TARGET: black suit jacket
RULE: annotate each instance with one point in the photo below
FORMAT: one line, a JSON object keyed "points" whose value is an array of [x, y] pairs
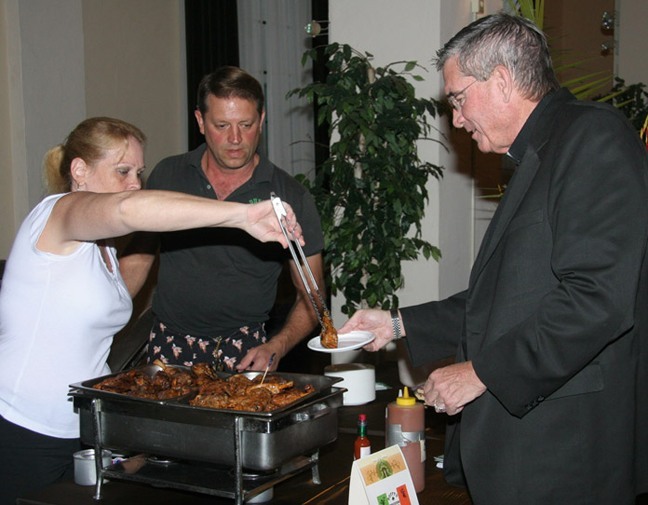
{"points": [[554, 320]]}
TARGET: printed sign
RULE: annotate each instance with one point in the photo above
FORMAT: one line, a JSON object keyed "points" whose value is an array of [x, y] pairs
{"points": [[382, 478]]}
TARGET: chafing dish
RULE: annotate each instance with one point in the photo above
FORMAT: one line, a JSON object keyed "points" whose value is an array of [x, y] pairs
{"points": [[254, 450]]}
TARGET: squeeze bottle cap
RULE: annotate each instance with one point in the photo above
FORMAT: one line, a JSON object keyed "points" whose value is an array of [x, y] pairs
{"points": [[406, 399]]}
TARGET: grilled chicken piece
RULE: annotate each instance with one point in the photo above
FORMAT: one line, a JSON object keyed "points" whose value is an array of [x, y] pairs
{"points": [[329, 337], [237, 385], [167, 383], [121, 383], [291, 395], [214, 387], [214, 401], [273, 388], [273, 383], [204, 371], [255, 400]]}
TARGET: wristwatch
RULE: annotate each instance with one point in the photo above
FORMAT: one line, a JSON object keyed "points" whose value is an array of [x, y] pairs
{"points": [[396, 324]]}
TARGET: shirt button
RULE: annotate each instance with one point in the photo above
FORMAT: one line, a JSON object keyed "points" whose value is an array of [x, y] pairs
{"points": [[208, 186]]}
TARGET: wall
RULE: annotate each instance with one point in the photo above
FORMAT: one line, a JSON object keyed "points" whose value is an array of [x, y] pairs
{"points": [[64, 60], [630, 55], [8, 220], [135, 68], [52, 79], [45, 92]]}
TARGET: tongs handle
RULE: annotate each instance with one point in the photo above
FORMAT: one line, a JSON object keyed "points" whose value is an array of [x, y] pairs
{"points": [[280, 211]]}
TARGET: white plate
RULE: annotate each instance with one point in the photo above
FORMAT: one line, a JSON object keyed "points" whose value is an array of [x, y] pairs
{"points": [[346, 342]]}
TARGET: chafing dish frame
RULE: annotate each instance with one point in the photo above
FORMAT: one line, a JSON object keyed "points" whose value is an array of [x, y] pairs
{"points": [[99, 410]]}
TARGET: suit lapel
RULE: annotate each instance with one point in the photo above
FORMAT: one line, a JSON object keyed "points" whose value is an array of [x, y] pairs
{"points": [[513, 196], [521, 179]]}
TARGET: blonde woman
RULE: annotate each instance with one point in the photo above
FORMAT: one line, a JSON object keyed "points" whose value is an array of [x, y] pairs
{"points": [[63, 297]]}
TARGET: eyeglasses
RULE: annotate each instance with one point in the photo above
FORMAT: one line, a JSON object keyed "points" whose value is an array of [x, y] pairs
{"points": [[456, 100]]}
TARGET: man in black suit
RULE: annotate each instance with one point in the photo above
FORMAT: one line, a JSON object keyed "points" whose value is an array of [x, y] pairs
{"points": [[547, 397]]}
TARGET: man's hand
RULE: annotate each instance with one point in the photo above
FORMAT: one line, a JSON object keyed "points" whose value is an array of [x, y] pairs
{"points": [[257, 358], [450, 388], [376, 321]]}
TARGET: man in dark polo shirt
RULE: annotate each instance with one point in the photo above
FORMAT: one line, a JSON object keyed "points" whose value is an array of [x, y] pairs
{"points": [[216, 286]]}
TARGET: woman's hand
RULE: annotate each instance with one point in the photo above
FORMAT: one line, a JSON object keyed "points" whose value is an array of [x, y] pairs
{"points": [[262, 223]]}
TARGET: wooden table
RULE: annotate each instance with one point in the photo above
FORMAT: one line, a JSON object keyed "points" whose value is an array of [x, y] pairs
{"points": [[334, 468]]}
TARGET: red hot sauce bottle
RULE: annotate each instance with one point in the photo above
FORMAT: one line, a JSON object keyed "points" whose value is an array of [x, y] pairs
{"points": [[362, 445]]}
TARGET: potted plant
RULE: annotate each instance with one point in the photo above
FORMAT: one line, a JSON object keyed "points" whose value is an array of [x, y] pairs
{"points": [[371, 190]]}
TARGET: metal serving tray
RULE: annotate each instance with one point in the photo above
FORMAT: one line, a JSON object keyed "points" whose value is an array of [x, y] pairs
{"points": [[320, 383], [174, 429]]}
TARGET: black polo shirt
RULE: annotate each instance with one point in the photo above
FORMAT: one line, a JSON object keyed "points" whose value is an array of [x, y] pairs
{"points": [[214, 280]]}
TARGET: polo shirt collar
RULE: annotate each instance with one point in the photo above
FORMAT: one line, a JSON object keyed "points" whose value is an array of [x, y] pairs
{"points": [[262, 172]]}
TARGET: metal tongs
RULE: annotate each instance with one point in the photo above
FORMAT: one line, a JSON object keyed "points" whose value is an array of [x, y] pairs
{"points": [[280, 211]]}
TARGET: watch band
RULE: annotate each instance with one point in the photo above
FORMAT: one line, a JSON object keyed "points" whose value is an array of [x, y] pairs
{"points": [[396, 324]]}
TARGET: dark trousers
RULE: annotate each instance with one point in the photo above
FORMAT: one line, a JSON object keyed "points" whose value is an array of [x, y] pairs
{"points": [[30, 461]]}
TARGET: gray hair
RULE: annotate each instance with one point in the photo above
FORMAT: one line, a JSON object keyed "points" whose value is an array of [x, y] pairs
{"points": [[503, 39]]}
